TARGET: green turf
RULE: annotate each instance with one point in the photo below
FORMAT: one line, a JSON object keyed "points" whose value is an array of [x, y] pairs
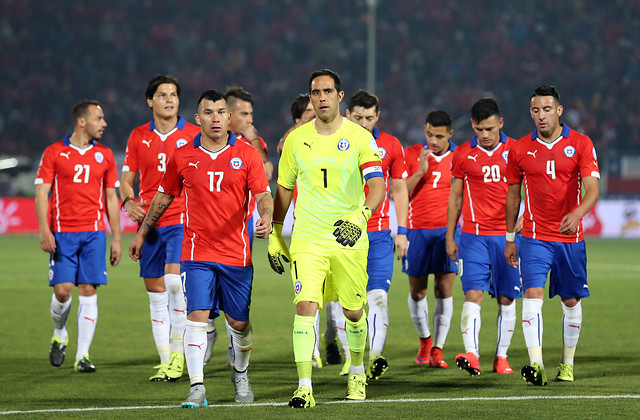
{"points": [[607, 360]]}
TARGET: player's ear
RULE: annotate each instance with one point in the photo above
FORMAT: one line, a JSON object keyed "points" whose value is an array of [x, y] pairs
{"points": [[197, 118], [560, 110]]}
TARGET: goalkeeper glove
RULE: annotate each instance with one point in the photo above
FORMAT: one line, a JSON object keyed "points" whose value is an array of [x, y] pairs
{"points": [[350, 227], [277, 248]]}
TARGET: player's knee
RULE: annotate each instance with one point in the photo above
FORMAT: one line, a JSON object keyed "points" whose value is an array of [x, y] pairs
{"points": [[173, 283]]}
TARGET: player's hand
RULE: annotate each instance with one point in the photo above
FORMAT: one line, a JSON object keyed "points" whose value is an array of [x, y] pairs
{"points": [[263, 227], [135, 210], [452, 250], [519, 224], [400, 245], [350, 227], [268, 169], [135, 248], [47, 242], [511, 254], [569, 224], [277, 250], [424, 161], [250, 132], [116, 253]]}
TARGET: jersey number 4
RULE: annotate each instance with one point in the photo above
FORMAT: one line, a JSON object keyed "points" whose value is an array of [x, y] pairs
{"points": [[551, 168]]}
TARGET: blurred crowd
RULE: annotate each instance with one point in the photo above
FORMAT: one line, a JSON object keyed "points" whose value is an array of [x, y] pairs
{"points": [[432, 54]]}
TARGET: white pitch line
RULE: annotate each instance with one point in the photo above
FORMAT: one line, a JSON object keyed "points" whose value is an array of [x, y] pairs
{"points": [[401, 400]]}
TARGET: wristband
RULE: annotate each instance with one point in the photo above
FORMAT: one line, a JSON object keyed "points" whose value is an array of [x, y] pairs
{"points": [[125, 201], [511, 236], [402, 230]]}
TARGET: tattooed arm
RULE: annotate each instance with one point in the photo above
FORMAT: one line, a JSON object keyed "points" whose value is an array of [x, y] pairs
{"points": [[265, 210], [159, 205]]}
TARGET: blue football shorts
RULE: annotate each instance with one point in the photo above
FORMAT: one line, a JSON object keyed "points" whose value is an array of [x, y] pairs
{"points": [[217, 287], [566, 261], [380, 260], [427, 253], [484, 267], [162, 246], [80, 257]]}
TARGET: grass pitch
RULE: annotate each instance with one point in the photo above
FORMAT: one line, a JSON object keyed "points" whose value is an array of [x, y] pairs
{"points": [[607, 366]]}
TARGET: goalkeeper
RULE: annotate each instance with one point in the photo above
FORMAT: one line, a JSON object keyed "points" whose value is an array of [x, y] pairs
{"points": [[330, 158]]}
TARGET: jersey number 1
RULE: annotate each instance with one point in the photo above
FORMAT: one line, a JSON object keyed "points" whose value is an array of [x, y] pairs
{"points": [[324, 173]]}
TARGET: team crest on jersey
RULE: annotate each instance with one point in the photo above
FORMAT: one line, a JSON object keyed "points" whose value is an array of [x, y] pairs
{"points": [[343, 145], [383, 152], [236, 163], [180, 143], [505, 155], [297, 287], [99, 157], [569, 151]]}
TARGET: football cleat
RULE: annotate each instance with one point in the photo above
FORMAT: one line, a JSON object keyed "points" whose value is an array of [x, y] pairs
{"points": [[244, 393], [534, 374], [84, 365], [316, 362], [345, 367], [302, 398], [435, 358], [333, 354], [176, 366], [468, 362], [356, 387], [501, 365], [161, 374], [196, 398], [56, 352], [424, 351], [565, 373], [378, 365], [212, 337]]}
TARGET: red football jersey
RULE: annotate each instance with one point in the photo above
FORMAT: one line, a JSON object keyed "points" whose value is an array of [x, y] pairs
{"points": [[552, 177], [78, 179], [394, 167], [216, 188], [429, 200], [252, 201], [148, 152], [483, 174]]}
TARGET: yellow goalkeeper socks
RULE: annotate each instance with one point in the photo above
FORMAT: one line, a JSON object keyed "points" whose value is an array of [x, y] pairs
{"points": [[357, 337], [304, 340]]}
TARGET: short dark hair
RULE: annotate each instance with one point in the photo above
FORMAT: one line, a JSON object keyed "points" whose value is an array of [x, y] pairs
{"points": [[364, 99], [439, 119], [233, 93], [81, 110], [483, 109], [326, 72], [210, 95], [159, 80], [298, 106], [546, 90]]}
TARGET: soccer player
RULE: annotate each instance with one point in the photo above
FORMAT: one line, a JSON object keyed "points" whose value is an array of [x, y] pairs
{"points": [[429, 183], [364, 110], [331, 158], [149, 148], [301, 112], [82, 177], [479, 191], [216, 173], [554, 163]]}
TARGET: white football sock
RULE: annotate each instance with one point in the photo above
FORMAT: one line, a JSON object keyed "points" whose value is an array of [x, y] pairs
{"points": [[470, 323], [241, 344], [378, 320], [506, 326], [532, 328], [442, 320], [59, 314], [87, 319], [160, 327], [177, 311], [571, 326], [420, 315], [195, 345]]}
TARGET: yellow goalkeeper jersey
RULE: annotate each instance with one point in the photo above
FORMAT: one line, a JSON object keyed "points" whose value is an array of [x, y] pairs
{"points": [[330, 172]]}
